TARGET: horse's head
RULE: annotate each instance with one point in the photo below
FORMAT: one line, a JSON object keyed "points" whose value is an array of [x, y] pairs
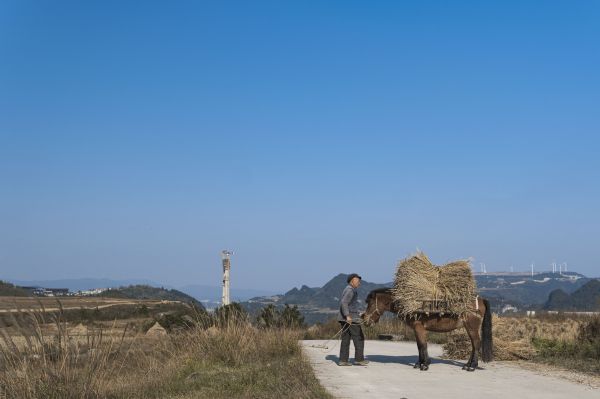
{"points": [[378, 301]]}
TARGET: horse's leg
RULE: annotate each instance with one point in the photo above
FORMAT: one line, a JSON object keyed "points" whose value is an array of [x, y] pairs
{"points": [[412, 325], [470, 361], [472, 325], [421, 336]]}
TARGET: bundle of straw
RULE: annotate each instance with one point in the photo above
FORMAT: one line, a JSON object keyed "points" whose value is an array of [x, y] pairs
{"points": [[421, 287]]}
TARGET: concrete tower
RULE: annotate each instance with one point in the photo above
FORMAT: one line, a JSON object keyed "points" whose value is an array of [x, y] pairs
{"points": [[226, 269]]}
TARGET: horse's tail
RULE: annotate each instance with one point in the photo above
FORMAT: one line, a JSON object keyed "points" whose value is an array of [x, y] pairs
{"points": [[487, 347]]}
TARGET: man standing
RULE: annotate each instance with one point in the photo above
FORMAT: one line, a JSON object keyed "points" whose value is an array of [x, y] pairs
{"points": [[349, 319]]}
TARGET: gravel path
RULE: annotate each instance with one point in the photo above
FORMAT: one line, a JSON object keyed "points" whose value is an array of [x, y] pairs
{"points": [[391, 375]]}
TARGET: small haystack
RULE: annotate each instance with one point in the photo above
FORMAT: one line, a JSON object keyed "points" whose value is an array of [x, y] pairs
{"points": [[79, 329], [156, 331], [421, 287]]}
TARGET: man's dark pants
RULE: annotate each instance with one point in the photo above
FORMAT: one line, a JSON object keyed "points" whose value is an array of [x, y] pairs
{"points": [[354, 332]]}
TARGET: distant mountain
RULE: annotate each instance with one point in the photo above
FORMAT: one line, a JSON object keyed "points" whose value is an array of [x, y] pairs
{"points": [[80, 284], [213, 294], [7, 289], [317, 304], [148, 292], [328, 295], [205, 293], [525, 290], [586, 298]]}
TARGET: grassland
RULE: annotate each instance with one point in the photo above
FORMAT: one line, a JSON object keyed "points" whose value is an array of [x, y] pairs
{"points": [[210, 358], [16, 304]]}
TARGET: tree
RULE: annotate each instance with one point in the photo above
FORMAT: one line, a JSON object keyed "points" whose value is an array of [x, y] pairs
{"points": [[268, 317], [230, 314], [288, 317], [291, 317]]}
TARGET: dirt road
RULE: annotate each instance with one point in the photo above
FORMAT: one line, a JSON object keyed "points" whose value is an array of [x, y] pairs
{"points": [[391, 375]]}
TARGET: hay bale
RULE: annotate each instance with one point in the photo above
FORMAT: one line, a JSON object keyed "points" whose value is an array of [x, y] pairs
{"points": [[420, 286], [156, 331]]}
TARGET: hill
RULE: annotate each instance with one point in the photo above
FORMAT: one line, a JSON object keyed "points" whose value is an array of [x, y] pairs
{"points": [[148, 292], [328, 295], [317, 304], [7, 289], [526, 290], [81, 284], [586, 298], [210, 295]]}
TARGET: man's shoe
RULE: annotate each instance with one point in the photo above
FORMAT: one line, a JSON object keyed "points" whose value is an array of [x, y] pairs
{"points": [[344, 364], [361, 363]]}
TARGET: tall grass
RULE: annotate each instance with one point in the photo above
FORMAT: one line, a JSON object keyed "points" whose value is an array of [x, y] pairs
{"points": [[581, 353], [568, 341], [211, 359]]}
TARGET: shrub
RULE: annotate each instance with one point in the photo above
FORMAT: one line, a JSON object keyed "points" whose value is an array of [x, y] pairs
{"points": [[232, 314], [288, 317]]}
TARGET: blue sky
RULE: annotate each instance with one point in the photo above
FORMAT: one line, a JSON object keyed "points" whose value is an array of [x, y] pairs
{"points": [[138, 139]]}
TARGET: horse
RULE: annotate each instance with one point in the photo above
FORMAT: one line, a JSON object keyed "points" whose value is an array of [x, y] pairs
{"points": [[382, 300]]}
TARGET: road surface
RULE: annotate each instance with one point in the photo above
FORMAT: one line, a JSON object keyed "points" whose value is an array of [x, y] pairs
{"points": [[390, 375]]}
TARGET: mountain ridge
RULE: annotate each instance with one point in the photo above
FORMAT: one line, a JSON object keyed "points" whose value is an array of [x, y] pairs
{"points": [[585, 298], [318, 304]]}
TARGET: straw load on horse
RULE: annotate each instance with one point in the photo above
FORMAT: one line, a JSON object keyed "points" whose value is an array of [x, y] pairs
{"points": [[421, 288], [439, 299]]}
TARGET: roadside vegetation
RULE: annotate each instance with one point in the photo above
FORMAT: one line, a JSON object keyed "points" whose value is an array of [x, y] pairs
{"points": [[581, 353], [216, 356], [567, 341]]}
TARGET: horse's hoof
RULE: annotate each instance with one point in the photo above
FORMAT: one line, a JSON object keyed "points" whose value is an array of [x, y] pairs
{"points": [[424, 367], [416, 366], [470, 369], [464, 367]]}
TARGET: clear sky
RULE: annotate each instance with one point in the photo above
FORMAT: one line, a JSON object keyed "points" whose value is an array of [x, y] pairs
{"points": [[139, 139]]}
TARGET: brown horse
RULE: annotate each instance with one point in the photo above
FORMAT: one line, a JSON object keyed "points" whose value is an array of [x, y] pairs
{"points": [[381, 300]]}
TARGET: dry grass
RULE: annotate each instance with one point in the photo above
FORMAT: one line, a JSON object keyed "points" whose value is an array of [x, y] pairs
{"points": [[227, 360], [53, 303], [421, 286], [545, 339]]}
